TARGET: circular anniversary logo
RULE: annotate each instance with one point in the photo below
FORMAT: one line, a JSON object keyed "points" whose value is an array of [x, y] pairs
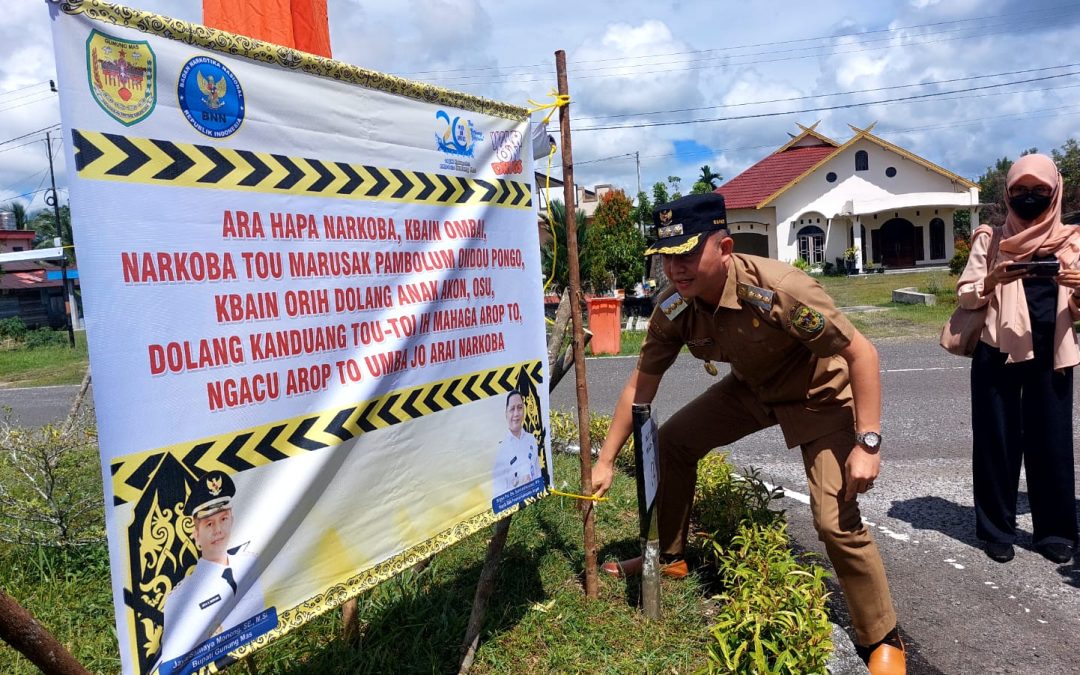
{"points": [[211, 97]]}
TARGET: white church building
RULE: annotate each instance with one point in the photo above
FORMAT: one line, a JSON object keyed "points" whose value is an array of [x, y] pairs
{"points": [[814, 199]]}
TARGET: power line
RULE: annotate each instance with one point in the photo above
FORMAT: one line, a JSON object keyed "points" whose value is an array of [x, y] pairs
{"points": [[752, 45], [1042, 112], [38, 131], [836, 93], [28, 86], [47, 97], [841, 106], [981, 31]]}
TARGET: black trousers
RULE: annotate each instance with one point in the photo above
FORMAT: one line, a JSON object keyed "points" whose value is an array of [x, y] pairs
{"points": [[1022, 412]]}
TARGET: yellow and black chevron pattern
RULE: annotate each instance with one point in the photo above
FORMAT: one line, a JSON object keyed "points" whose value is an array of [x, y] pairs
{"points": [[269, 443], [101, 156]]}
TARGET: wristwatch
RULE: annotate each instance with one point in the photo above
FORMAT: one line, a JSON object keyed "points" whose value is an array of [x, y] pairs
{"points": [[871, 440]]}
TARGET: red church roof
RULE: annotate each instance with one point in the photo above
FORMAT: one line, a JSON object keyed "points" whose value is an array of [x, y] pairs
{"points": [[760, 181]]}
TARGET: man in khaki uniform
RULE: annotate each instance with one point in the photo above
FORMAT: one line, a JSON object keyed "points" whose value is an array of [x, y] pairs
{"points": [[795, 361]]}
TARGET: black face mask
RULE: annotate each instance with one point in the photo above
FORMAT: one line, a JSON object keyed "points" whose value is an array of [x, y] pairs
{"points": [[1029, 206]]}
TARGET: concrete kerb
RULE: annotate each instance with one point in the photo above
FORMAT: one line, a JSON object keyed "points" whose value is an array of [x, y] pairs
{"points": [[912, 296]]}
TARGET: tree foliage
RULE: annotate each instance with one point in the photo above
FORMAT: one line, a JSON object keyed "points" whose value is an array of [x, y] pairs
{"points": [[554, 250], [18, 213], [616, 246], [1067, 159], [709, 177], [660, 194], [43, 223]]}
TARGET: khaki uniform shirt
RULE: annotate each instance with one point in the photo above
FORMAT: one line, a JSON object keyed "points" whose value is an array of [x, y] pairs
{"points": [[782, 335]]}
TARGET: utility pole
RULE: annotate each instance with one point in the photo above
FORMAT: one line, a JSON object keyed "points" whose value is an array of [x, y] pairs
{"points": [[53, 200], [637, 161]]}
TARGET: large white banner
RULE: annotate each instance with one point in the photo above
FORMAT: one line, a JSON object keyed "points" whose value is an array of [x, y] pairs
{"points": [[313, 303]]}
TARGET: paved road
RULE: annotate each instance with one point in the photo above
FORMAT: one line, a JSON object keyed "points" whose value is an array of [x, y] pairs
{"points": [[37, 406], [966, 613]]}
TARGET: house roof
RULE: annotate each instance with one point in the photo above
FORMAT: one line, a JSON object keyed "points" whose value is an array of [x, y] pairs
{"points": [[751, 187], [776, 174]]}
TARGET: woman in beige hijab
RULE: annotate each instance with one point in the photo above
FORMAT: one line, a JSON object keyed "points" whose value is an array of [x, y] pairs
{"points": [[1021, 372]]}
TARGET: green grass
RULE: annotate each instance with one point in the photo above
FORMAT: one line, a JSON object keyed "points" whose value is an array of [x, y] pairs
{"points": [[538, 619], [895, 319], [43, 366]]}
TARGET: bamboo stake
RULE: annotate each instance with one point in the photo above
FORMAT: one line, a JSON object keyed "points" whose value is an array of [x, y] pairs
{"points": [[483, 592], [22, 631], [588, 517]]}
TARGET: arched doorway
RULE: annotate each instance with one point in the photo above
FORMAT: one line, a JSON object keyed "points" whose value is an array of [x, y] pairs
{"points": [[897, 241], [751, 243]]}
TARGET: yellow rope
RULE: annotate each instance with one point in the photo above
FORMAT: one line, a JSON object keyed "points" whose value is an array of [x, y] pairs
{"points": [[559, 101], [589, 498]]}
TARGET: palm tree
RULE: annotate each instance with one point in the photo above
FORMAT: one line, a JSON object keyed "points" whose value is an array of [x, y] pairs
{"points": [[18, 212], [707, 176], [558, 254], [44, 225]]}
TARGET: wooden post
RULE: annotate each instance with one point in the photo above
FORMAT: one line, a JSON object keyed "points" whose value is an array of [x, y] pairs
{"points": [[350, 622], [569, 190], [483, 593], [22, 631]]}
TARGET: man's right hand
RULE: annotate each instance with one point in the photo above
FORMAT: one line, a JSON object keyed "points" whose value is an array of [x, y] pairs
{"points": [[602, 473]]}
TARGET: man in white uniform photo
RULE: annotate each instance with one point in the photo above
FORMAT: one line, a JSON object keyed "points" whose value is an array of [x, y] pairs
{"points": [[206, 602], [518, 461]]}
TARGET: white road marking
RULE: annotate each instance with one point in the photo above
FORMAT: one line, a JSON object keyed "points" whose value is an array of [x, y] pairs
{"points": [[797, 496], [919, 370]]}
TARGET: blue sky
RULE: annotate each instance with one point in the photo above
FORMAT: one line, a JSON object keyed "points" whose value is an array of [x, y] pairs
{"points": [[631, 62]]}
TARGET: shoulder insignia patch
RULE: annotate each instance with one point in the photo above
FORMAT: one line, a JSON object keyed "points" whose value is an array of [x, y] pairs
{"points": [[673, 306], [758, 297], [806, 320]]}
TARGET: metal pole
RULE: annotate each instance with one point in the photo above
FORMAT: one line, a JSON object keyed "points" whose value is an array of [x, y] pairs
{"points": [[648, 532], [68, 300], [588, 517]]}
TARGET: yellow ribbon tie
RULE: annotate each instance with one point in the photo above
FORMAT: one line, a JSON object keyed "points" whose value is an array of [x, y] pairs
{"points": [[571, 495], [560, 101]]}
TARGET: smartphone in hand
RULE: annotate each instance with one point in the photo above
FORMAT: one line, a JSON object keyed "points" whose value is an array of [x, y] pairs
{"points": [[1035, 268]]}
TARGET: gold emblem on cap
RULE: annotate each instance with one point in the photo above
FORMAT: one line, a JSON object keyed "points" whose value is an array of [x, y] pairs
{"points": [[665, 216], [214, 486], [710, 368]]}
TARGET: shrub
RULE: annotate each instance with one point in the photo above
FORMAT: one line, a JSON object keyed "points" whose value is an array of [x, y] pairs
{"points": [[50, 492], [800, 264], [43, 337], [564, 433], [772, 616], [12, 328], [724, 500], [960, 258]]}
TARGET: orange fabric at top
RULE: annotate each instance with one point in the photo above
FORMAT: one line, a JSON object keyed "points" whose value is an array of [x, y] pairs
{"points": [[300, 24]]}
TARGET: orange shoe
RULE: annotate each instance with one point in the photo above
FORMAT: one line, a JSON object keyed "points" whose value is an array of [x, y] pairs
{"points": [[888, 660], [622, 569]]}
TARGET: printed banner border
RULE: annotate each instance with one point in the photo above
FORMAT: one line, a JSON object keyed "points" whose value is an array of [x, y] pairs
{"points": [[150, 161], [261, 445], [286, 57]]}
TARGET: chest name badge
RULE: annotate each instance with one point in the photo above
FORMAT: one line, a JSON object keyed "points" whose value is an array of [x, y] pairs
{"points": [[758, 297], [673, 306], [210, 601]]}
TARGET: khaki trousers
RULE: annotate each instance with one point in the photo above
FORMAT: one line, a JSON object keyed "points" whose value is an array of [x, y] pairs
{"points": [[728, 411]]}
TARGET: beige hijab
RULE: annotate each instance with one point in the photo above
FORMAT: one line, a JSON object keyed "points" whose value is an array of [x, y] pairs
{"points": [[1023, 239]]}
